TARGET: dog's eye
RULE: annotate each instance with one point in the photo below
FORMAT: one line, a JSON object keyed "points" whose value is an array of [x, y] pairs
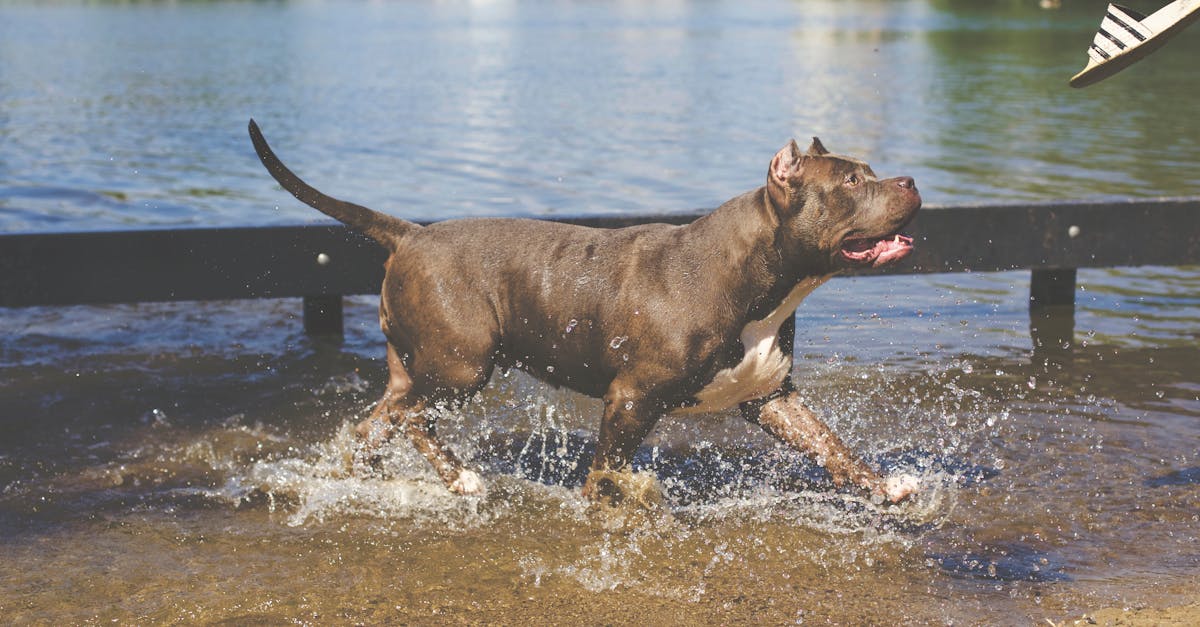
{"points": [[852, 180]]}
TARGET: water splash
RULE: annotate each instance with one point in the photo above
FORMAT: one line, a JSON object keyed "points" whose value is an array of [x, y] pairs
{"points": [[325, 484]]}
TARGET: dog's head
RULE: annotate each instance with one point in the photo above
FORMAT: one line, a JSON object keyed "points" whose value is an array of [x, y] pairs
{"points": [[838, 211]]}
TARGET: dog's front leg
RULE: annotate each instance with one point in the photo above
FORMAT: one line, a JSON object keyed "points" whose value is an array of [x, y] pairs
{"points": [[628, 419], [788, 419]]}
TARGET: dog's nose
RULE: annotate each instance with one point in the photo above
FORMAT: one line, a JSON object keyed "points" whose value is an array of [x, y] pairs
{"points": [[906, 182]]}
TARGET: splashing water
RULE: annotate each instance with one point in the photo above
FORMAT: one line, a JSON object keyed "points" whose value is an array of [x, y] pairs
{"points": [[1016, 481]]}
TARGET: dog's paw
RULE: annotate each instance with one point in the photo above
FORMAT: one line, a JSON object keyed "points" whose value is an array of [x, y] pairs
{"points": [[899, 487], [467, 483]]}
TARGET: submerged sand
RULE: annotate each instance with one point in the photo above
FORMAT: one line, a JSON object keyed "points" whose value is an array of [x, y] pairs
{"points": [[1188, 614]]}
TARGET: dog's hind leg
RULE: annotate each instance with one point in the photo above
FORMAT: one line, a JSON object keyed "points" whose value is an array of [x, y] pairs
{"points": [[420, 429], [401, 408], [379, 427]]}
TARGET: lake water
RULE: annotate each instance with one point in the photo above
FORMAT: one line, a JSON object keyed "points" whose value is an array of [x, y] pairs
{"points": [[184, 462]]}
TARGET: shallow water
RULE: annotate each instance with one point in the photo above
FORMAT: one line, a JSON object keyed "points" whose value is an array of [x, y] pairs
{"points": [[188, 462], [162, 465]]}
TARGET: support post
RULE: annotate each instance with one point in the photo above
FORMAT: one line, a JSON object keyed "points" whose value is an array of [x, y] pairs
{"points": [[787, 337], [323, 315], [787, 344], [1052, 287], [1052, 315]]}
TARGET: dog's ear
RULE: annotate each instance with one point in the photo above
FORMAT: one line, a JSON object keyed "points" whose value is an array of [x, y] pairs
{"points": [[816, 149], [787, 163]]}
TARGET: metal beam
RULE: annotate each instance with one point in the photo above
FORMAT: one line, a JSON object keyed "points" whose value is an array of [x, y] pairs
{"points": [[186, 264], [323, 262], [987, 238]]}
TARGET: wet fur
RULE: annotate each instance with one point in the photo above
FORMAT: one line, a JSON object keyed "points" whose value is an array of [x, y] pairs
{"points": [[652, 319]]}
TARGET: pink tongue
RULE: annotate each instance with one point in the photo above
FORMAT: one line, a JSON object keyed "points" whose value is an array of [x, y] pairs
{"points": [[890, 249], [878, 251]]}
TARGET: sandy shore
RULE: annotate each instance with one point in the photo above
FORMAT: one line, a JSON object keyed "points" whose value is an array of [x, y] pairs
{"points": [[1179, 615]]}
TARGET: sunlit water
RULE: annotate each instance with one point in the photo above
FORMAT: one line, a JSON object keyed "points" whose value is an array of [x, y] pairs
{"points": [[189, 462]]}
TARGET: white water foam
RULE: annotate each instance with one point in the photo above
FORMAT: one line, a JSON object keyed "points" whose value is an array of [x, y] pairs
{"points": [[324, 483]]}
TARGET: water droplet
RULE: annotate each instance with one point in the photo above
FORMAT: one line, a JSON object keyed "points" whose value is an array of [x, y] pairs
{"points": [[951, 420], [968, 368], [572, 324], [1160, 393], [628, 405], [618, 341], [158, 416], [549, 368], [1032, 383]]}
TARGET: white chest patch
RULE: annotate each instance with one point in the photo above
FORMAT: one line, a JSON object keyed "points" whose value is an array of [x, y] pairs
{"points": [[763, 368]]}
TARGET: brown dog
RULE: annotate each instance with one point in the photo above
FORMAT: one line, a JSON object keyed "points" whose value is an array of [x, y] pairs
{"points": [[654, 319]]}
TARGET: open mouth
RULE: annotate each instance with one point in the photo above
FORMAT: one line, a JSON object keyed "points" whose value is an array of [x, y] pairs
{"points": [[877, 251]]}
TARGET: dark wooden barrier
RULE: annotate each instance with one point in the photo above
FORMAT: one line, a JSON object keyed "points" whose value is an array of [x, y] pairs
{"points": [[321, 263]]}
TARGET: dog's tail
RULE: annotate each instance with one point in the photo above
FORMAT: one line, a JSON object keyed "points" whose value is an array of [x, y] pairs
{"points": [[385, 229]]}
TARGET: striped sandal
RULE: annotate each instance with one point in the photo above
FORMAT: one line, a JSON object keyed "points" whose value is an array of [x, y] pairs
{"points": [[1126, 36]]}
